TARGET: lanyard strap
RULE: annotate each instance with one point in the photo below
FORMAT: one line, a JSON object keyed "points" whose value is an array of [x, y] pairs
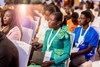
{"points": [[82, 37], [50, 42], [85, 31]]}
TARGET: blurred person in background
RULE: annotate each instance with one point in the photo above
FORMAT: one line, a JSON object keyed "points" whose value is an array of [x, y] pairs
{"points": [[73, 22], [68, 10], [10, 25], [44, 24], [8, 6], [79, 8]]}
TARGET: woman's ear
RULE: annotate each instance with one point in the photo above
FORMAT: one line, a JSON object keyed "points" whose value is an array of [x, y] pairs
{"points": [[59, 23]]}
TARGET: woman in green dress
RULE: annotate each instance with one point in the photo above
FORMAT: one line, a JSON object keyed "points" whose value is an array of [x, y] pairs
{"points": [[57, 40]]}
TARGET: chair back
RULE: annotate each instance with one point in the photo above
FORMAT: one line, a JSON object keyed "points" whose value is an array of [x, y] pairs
{"points": [[72, 37], [24, 50], [27, 35]]}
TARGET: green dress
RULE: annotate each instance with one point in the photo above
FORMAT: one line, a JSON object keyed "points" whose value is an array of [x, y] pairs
{"points": [[60, 46]]}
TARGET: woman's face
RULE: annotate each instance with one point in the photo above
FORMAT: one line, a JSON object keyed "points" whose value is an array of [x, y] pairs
{"points": [[7, 17], [52, 22]]}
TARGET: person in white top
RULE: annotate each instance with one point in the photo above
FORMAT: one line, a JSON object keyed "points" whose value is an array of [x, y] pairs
{"points": [[96, 25], [80, 8], [43, 25]]}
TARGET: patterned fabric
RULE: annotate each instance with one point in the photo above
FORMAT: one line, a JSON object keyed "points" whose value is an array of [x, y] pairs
{"points": [[60, 46], [34, 66]]}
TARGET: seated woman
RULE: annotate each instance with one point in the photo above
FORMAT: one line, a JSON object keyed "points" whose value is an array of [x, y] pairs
{"points": [[57, 40], [86, 40], [10, 25]]}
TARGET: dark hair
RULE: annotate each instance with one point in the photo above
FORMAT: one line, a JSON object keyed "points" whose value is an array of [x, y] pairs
{"points": [[75, 15], [50, 8], [69, 6], [8, 3], [59, 17], [87, 14], [14, 20], [1, 10], [91, 5], [88, 2], [57, 8]]}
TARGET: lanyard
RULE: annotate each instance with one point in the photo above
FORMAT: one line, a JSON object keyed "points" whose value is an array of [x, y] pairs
{"points": [[49, 42], [81, 38]]}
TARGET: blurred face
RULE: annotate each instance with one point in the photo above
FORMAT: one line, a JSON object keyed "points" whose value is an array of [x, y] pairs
{"points": [[87, 6], [52, 22], [68, 10], [83, 20], [47, 15], [7, 17], [81, 6]]}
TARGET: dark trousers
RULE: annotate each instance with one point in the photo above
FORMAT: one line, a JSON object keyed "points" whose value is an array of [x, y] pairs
{"points": [[77, 60]]}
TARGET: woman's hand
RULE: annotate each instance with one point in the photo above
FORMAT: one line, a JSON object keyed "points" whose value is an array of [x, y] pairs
{"points": [[47, 63]]}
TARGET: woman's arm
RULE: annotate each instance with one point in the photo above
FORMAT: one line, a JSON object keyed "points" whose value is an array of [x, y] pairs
{"points": [[66, 54]]}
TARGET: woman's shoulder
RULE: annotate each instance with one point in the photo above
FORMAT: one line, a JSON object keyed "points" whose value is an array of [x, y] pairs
{"points": [[15, 29], [64, 32]]}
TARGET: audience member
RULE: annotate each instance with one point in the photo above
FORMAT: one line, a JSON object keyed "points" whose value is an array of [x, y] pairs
{"points": [[8, 6], [57, 40], [80, 8], [44, 25], [8, 52], [10, 25], [73, 22], [86, 40], [68, 10]]}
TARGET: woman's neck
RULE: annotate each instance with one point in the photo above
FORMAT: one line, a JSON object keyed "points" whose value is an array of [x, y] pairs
{"points": [[56, 28], [85, 26]]}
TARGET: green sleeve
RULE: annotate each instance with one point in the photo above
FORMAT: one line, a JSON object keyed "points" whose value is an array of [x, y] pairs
{"points": [[67, 47]]}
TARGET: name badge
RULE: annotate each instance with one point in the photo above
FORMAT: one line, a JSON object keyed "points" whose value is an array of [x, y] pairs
{"points": [[75, 49], [47, 56], [81, 38]]}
